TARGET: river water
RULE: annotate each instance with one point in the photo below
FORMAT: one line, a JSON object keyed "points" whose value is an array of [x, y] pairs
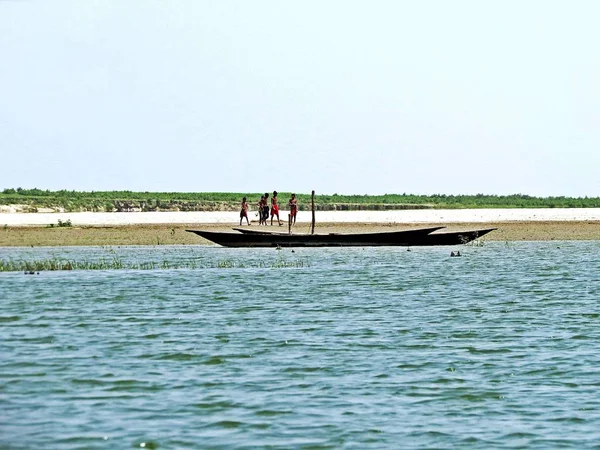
{"points": [[319, 348]]}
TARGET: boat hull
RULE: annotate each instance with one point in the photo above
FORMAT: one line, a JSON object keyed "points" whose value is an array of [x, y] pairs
{"points": [[451, 238], [261, 239], [443, 238]]}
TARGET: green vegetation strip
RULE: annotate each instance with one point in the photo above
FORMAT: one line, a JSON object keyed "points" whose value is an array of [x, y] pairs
{"points": [[117, 264], [229, 201]]}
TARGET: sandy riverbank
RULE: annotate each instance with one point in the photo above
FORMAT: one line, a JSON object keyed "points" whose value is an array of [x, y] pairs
{"points": [[437, 216], [175, 234]]}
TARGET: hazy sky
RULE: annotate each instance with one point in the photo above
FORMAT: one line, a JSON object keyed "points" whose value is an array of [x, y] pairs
{"points": [[348, 97]]}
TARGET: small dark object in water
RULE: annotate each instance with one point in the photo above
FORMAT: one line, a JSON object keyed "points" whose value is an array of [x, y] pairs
{"points": [[455, 254]]}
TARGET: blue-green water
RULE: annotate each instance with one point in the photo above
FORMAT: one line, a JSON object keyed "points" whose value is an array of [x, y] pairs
{"points": [[354, 348]]}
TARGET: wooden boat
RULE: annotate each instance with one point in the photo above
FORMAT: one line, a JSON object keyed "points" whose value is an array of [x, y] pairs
{"points": [[262, 238], [451, 237], [267, 239], [443, 238], [258, 231]]}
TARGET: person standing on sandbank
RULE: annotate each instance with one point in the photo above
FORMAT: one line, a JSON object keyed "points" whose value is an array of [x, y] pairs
{"points": [[275, 209], [293, 204], [244, 211], [265, 210], [261, 210]]}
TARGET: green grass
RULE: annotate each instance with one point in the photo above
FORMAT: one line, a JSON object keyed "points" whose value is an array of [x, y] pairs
{"points": [[209, 201], [117, 264]]}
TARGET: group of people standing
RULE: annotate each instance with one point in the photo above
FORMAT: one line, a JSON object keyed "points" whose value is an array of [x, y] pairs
{"points": [[263, 209]]}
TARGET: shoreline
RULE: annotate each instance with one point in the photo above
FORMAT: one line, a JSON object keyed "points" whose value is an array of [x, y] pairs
{"points": [[168, 228], [435, 216], [175, 234]]}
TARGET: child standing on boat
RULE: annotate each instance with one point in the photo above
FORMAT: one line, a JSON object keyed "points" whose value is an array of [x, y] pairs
{"points": [[275, 208], [244, 211]]}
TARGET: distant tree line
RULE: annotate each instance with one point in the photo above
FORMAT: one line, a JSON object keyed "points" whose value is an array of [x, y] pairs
{"points": [[225, 201]]}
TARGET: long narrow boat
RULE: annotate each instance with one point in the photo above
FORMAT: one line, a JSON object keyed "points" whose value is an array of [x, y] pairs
{"points": [[443, 238], [406, 238], [451, 237], [259, 231], [261, 239]]}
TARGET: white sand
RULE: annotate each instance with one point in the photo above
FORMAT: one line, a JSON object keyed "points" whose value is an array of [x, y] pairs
{"points": [[407, 216]]}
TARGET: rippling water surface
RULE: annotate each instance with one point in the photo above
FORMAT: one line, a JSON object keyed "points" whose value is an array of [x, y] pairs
{"points": [[349, 348]]}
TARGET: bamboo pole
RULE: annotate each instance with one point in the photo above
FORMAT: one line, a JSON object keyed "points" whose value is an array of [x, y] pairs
{"points": [[313, 213]]}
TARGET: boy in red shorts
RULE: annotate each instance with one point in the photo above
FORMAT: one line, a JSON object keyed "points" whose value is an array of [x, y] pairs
{"points": [[275, 208], [293, 203]]}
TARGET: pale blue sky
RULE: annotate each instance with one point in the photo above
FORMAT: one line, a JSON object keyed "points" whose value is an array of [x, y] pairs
{"points": [[353, 97]]}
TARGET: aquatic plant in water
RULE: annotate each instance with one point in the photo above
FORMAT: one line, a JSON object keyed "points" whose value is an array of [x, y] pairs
{"points": [[115, 263]]}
